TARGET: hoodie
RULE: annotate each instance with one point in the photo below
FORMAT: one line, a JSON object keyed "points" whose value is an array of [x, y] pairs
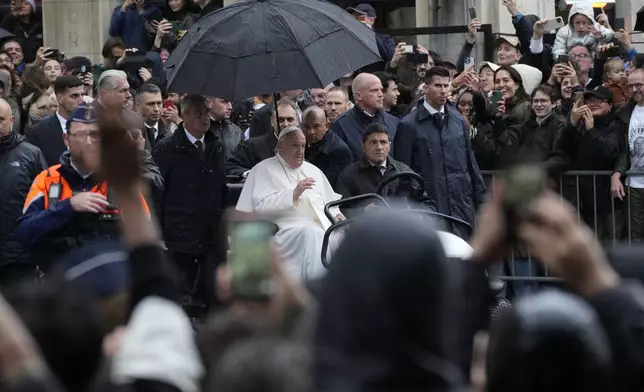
{"points": [[567, 37], [386, 322]]}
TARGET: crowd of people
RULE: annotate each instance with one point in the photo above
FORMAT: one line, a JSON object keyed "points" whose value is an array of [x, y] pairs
{"points": [[119, 198]]}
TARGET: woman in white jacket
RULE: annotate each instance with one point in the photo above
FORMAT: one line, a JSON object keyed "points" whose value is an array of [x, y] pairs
{"points": [[581, 28]]}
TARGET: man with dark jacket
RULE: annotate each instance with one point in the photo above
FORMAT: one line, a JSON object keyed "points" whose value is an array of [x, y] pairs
{"points": [[230, 134], [375, 165], [366, 15], [21, 162], [260, 123], [594, 140], [130, 22], [433, 140], [324, 149], [256, 149], [367, 91], [192, 204], [48, 134], [149, 102]]}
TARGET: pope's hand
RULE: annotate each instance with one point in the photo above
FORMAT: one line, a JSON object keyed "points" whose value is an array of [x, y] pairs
{"points": [[307, 183]]}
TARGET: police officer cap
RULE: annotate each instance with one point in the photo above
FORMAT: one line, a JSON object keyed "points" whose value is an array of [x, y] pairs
{"points": [[84, 114]]}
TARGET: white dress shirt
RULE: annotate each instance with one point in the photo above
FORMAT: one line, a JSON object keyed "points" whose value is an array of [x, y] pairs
{"points": [[433, 111], [193, 139], [62, 121]]}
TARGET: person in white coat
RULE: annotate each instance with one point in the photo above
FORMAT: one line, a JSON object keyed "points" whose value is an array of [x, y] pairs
{"points": [[294, 193]]}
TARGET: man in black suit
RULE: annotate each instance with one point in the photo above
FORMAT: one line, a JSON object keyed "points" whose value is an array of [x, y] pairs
{"points": [[48, 134], [149, 103], [192, 204], [260, 123], [256, 149]]}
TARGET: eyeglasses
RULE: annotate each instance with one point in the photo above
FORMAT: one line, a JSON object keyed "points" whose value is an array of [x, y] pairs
{"points": [[540, 101], [80, 137]]}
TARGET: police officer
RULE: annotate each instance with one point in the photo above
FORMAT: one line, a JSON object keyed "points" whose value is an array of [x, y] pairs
{"points": [[68, 204]]}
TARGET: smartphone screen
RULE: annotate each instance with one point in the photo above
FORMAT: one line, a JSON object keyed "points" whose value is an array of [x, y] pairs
{"points": [[496, 97], [473, 13], [620, 23], [579, 97], [250, 263]]}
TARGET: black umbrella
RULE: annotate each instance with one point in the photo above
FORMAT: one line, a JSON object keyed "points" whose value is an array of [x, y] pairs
{"points": [[639, 22], [257, 47]]}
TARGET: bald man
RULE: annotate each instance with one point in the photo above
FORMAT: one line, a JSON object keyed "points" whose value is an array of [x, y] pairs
{"points": [[324, 149], [23, 162], [367, 92]]}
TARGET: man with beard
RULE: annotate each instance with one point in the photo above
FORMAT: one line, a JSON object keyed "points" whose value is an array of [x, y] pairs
{"points": [[632, 156]]}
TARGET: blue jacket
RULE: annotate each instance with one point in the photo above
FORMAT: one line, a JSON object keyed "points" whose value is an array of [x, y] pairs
{"points": [[131, 26], [445, 159], [350, 127]]}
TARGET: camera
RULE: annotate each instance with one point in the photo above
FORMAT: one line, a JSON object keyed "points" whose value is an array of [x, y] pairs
{"points": [[414, 57]]}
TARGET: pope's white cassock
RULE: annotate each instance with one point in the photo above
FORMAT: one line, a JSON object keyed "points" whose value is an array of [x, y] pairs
{"points": [[269, 190]]}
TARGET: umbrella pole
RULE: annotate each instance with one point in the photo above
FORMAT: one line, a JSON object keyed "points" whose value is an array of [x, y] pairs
{"points": [[276, 98]]}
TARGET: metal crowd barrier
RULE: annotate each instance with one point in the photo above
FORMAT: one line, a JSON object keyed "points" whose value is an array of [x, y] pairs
{"points": [[615, 222]]}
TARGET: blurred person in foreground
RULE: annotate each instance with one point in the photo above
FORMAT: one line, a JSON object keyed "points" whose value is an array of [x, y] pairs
{"points": [[70, 204], [23, 163], [296, 192]]}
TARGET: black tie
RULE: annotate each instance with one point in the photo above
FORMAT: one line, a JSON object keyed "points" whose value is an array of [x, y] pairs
{"points": [[151, 139], [438, 120], [199, 146]]}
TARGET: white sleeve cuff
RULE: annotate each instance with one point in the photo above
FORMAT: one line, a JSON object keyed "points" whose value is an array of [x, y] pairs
{"points": [[159, 345], [536, 45]]}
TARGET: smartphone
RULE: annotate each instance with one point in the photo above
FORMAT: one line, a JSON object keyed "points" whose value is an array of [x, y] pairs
{"points": [[249, 265], [469, 63], [524, 182], [494, 100], [620, 23], [168, 103], [563, 58], [472, 13], [554, 24], [579, 98]]}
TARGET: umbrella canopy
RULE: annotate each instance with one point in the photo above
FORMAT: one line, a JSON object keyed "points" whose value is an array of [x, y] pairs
{"points": [[639, 22], [257, 47]]}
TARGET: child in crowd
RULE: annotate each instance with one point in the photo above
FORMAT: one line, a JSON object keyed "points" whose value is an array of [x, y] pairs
{"points": [[615, 80], [581, 28]]}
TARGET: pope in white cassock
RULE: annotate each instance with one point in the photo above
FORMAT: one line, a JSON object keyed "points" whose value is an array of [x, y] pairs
{"points": [[297, 191]]}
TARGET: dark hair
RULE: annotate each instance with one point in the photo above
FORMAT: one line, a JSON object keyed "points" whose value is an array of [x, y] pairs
{"points": [[373, 129], [583, 46], [147, 88], [385, 78], [251, 365], [66, 325], [111, 43], [547, 90], [435, 71], [64, 82], [438, 60], [449, 65], [516, 76], [191, 100]]}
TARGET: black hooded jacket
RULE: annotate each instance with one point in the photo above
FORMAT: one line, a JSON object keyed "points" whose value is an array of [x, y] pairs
{"points": [[385, 318], [21, 162]]}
